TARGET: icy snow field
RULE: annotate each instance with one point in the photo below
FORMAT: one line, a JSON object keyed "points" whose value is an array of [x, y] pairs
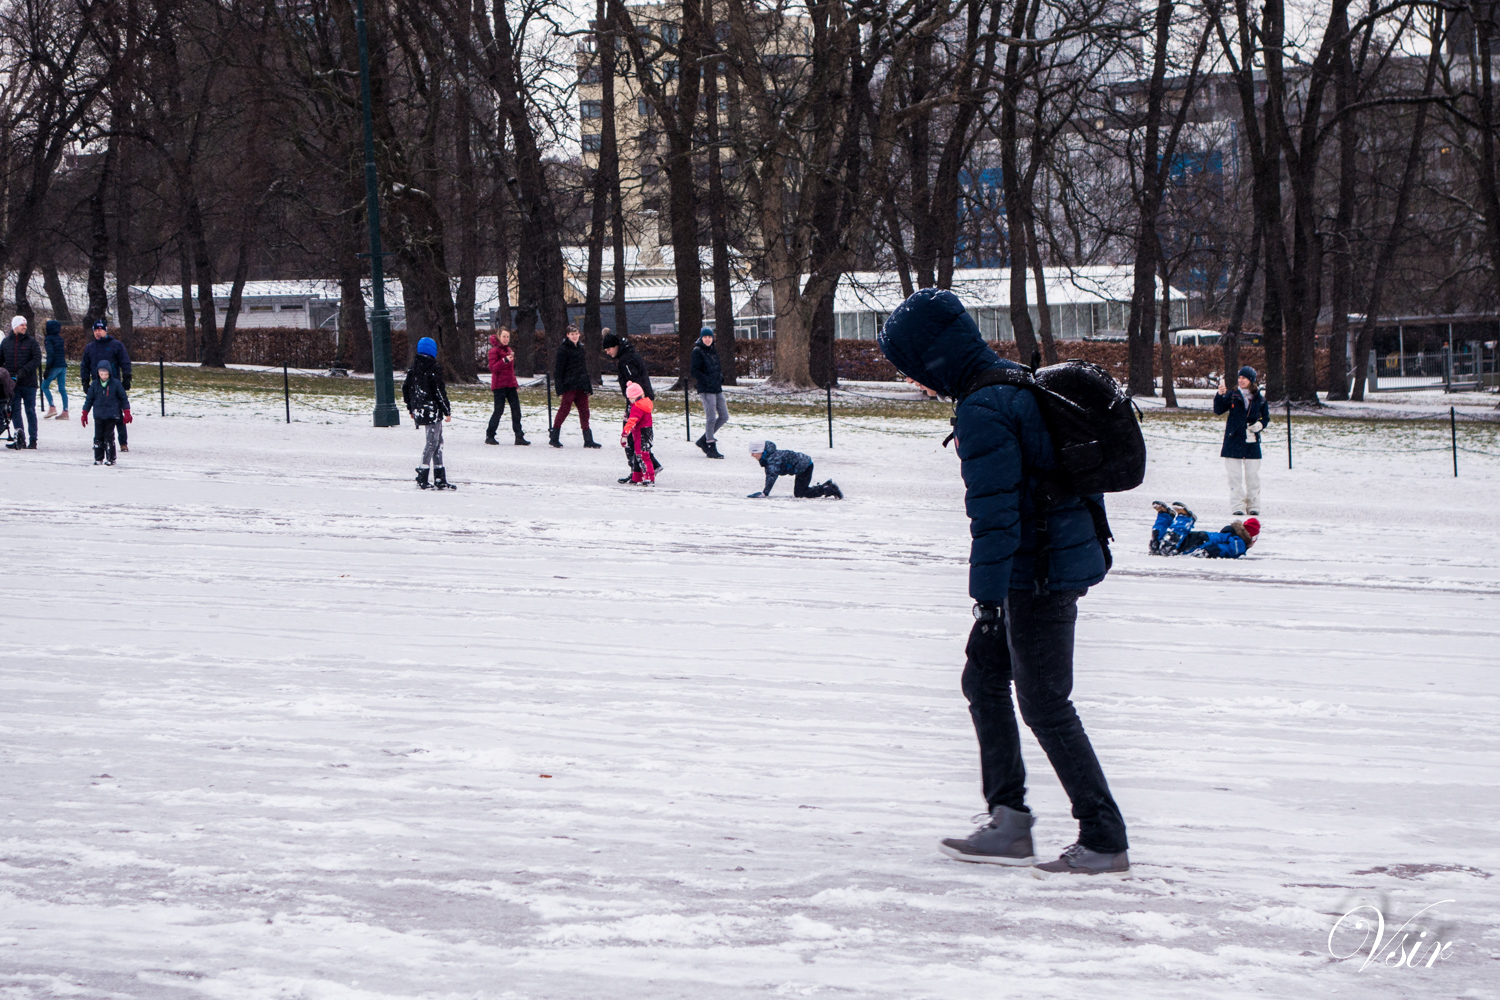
{"points": [[277, 724]]}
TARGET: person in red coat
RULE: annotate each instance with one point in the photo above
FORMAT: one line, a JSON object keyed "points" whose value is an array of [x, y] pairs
{"points": [[503, 384], [636, 436]]}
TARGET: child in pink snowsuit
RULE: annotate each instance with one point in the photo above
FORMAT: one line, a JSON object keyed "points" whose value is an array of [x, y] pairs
{"points": [[636, 435]]}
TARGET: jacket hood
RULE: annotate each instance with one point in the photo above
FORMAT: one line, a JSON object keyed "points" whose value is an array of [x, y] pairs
{"points": [[54, 327], [106, 364], [933, 341], [494, 340]]}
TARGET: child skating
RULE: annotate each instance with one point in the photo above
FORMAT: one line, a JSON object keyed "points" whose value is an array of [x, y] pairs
{"points": [[636, 436], [426, 398], [778, 463], [106, 398]]}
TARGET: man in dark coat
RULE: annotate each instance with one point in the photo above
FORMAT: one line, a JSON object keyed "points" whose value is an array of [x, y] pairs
{"points": [[570, 376], [22, 357], [629, 367], [1024, 627], [106, 348], [1248, 415], [708, 379]]}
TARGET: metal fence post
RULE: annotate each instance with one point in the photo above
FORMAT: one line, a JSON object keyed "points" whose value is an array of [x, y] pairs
{"points": [[286, 391], [548, 378], [161, 375], [1453, 435], [1289, 432], [687, 411], [829, 389]]}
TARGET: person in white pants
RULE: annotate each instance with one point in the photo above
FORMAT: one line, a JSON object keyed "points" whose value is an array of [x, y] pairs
{"points": [[1248, 415]]}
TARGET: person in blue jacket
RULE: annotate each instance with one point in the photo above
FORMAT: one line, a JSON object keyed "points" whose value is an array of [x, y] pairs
{"points": [[1248, 416], [1173, 534], [780, 462], [1025, 621], [106, 398], [56, 369]]}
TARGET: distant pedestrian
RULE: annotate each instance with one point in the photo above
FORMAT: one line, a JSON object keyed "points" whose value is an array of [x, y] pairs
{"points": [[636, 436], [106, 348], [56, 369], [708, 379], [778, 462], [503, 384], [629, 367], [571, 376], [20, 355], [106, 398], [426, 398], [1248, 416]]}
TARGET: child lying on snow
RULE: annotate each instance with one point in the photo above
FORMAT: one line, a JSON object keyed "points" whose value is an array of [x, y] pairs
{"points": [[778, 462], [1173, 535]]}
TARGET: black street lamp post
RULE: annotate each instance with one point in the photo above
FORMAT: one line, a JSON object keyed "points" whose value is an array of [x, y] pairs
{"points": [[386, 414]]}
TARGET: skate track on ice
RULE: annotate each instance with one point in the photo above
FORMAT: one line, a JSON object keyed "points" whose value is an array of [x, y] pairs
{"points": [[276, 724]]}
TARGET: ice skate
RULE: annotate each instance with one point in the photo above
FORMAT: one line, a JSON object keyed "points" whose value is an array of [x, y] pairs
{"points": [[1003, 839], [1079, 860]]}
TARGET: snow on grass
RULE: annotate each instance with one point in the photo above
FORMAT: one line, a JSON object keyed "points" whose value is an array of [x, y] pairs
{"points": [[278, 724]]}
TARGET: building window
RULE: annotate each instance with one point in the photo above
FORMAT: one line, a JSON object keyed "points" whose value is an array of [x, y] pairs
{"points": [[287, 307], [670, 34], [643, 107], [590, 74], [261, 309], [591, 109], [592, 142], [669, 70]]}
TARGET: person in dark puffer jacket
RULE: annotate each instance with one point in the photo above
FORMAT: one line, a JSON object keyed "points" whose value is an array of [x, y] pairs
{"points": [[708, 380], [1024, 627], [106, 348], [571, 375], [426, 398], [20, 355], [1249, 413], [56, 369], [629, 367], [111, 407]]}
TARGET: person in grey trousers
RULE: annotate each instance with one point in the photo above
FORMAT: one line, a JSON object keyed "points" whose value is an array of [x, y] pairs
{"points": [[708, 379]]}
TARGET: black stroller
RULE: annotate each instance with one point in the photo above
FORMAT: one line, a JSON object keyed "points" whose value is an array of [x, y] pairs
{"points": [[7, 391]]}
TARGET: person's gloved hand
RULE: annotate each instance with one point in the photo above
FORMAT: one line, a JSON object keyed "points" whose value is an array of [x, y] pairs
{"points": [[754, 496], [624, 441], [127, 416], [1255, 428], [85, 420]]}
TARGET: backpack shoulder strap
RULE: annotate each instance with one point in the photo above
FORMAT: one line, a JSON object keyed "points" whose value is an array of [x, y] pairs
{"points": [[1003, 375]]}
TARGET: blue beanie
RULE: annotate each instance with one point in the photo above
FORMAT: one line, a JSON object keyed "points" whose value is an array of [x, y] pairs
{"points": [[1248, 372], [707, 331], [427, 346]]}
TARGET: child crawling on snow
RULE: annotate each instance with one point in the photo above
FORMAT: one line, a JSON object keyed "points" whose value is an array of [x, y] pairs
{"points": [[1173, 535], [636, 436], [779, 463]]}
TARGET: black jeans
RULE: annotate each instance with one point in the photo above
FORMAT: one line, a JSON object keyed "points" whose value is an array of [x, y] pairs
{"points": [[104, 437], [1033, 646], [802, 485], [24, 400], [501, 397]]}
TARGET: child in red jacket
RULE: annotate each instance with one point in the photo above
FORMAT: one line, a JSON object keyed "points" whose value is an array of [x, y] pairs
{"points": [[636, 435]]}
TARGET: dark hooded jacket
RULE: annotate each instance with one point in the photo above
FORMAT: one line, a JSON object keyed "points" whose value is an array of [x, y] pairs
{"points": [[57, 349], [571, 372], [708, 374], [1004, 446], [631, 367], [778, 462], [109, 349], [20, 355], [107, 400], [424, 393]]}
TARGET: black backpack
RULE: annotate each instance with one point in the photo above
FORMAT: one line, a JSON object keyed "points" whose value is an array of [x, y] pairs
{"points": [[1096, 435]]}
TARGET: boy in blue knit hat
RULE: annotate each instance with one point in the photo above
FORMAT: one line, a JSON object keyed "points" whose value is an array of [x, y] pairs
{"points": [[426, 400]]}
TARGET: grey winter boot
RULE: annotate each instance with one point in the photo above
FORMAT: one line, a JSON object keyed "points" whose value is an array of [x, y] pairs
{"points": [[1004, 840], [1079, 860]]}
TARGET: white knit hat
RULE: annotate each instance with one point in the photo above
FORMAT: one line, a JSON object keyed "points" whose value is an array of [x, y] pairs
{"points": [[17, 322], [757, 447]]}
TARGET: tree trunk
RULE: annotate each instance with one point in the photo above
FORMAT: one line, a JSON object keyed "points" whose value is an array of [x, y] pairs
{"points": [[718, 228], [1229, 343], [55, 294], [1010, 182], [468, 232], [99, 237], [1168, 372], [124, 257], [1147, 246], [599, 194], [1342, 277], [189, 320], [1043, 310], [355, 348], [23, 283]]}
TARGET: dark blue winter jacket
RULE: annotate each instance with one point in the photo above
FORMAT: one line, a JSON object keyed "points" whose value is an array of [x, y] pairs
{"points": [[1003, 443], [109, 349], [106, 398], [1233, 403], [57, 351], [707, 372], [779, 463]]}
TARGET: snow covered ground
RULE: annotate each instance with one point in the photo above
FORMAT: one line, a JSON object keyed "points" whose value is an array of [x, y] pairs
{"points": [[277, 724]]}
